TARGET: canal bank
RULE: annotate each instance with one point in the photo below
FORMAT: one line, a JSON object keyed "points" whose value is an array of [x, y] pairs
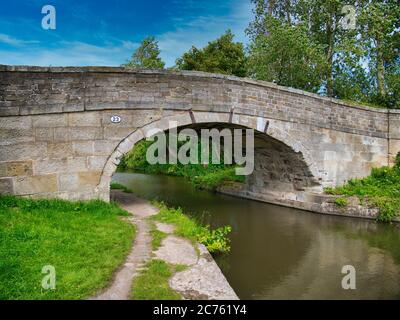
{"points": [[279, 252], [193, 272]]}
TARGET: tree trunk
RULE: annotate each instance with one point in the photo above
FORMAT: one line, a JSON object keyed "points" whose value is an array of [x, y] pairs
{"points": [[329, 58], [271, 4], [380, 69]]}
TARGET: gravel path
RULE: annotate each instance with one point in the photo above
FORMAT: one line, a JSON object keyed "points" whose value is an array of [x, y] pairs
{"points": [[203, 280]]}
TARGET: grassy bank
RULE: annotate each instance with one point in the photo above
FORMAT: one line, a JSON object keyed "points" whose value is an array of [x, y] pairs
{"points": [[152, 283], [207, 177], [216, 240], [84, 241], [381, 189]]}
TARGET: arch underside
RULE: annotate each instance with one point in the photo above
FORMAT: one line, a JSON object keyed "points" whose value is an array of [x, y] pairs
{"points": [[283, 169]]}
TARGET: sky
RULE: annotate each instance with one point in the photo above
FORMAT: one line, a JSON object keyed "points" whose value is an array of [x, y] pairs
{"points": [[106, 32]]}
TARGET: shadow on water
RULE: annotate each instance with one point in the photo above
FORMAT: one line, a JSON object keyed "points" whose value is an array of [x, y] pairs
{"points": [[284, 253]]}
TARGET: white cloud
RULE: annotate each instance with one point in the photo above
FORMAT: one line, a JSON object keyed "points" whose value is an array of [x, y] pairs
{"points": [[5, 38], [68, 54]]}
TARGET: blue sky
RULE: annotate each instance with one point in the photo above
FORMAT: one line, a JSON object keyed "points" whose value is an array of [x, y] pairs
{"points": [[98, 32]]}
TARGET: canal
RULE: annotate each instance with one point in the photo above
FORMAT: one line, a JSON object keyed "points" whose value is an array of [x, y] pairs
{"points": [[284, 253]]}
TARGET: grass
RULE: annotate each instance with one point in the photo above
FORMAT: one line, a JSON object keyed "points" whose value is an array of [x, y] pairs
{"points": [[118, 186], [380, 189], [152, 283], [215, 240], [157, 237], [341, 202], [84, 241]]}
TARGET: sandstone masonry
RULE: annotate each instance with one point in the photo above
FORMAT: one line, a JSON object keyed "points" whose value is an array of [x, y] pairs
{"points": [[57, 138]]}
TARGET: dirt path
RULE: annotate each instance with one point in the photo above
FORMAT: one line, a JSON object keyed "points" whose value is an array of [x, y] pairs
{"points": [[141, 250]]}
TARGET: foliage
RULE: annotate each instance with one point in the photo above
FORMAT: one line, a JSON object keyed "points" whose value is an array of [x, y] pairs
{"points": [[287, 57], [152, 282], [219, 56], [157, 237], [359, 64], [215, 240], [209, 176], [146, 56], [380, 189], [84, 241], [341, 202], [397, 160], [118, 186], [212, 180]]}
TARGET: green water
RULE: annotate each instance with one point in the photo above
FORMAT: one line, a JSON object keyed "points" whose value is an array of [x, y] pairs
{"points": [[284, 253]]}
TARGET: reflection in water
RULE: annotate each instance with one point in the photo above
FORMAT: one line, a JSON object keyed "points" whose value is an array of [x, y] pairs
{"points": [[283, 253]]}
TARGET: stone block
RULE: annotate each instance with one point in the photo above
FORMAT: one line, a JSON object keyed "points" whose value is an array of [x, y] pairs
{"points": [[14, 136], [97, 162], [44, 134], [68, 182], [116, 133], [104, 147], [84, 119], [35, 184], [6, 186], [86, 133], [82, 148], [59, 150], [23, 151], [47, 166], [16, 123], [50, 121], [62, 134], [19, 168], [3, 169], [89, 179], [77, 164]]}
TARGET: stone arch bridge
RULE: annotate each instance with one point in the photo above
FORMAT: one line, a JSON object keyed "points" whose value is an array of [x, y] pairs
{"points": [[57, 138]]}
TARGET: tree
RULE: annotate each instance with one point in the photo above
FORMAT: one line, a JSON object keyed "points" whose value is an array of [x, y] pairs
{"points": [[379, 25], [219, 56], [358, 63], [146, 56], [287, 57]]}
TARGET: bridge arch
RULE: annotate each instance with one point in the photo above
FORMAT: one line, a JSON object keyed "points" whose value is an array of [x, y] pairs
{"points": [[261, 126], [57, 138]]}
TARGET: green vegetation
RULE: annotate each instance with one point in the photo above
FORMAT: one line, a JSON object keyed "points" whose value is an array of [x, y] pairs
{"points": [[152, 283], [208, 177], [146, 56], [341, 202], [380, 189], [323, 47], [157, 236], [187, 227], [118, 186], [219, 56], [84, 241]]}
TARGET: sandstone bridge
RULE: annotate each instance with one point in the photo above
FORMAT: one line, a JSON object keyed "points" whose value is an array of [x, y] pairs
{"points": [[57, 138]]}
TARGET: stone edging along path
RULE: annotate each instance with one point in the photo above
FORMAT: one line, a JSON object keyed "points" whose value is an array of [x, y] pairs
{"points": [[202, 280]]}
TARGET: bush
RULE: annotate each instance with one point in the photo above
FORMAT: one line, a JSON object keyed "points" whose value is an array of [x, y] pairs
{"points": [[215, 240], [341, 202], [397, 160]]}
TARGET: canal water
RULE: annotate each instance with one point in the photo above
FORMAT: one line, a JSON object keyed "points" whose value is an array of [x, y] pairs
{"points": [[283, 253]]}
